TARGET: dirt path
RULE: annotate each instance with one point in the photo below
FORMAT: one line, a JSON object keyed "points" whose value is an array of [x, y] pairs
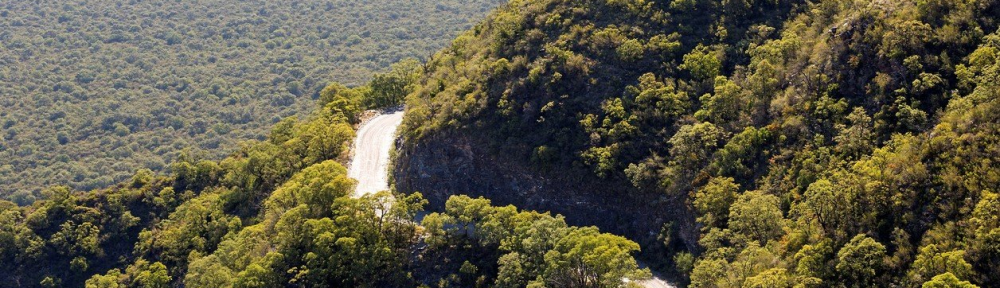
{"points": [[655, 282], [371, 153], [371, 161]]}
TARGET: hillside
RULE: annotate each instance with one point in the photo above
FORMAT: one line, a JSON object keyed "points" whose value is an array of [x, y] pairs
{"points": [[283, 213], [734, 143], [91, 91], [743, 143]]}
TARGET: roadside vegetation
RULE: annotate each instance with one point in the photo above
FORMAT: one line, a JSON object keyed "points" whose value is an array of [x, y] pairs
{"points": [[280, 213], [830, 143]]}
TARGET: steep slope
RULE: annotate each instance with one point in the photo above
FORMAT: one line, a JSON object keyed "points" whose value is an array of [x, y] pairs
{"points": [[811, 143], [284, 213]]}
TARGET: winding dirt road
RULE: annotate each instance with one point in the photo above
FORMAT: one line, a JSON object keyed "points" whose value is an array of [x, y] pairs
{"points": [[371, 153], [371, 162]]}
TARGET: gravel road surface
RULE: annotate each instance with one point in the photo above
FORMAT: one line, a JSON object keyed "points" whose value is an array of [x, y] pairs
{"points": [[371, 162], [371, 153]]}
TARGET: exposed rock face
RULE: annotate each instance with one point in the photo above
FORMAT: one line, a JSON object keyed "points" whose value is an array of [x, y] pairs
{"points": [[446, 165]]}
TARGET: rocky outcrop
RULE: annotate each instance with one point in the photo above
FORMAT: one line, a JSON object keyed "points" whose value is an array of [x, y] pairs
{"points": [[444, 165]]}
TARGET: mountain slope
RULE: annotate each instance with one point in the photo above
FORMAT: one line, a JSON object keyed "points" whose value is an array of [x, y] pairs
{"points": [[94, 90], [284, 213], [813, 143]]}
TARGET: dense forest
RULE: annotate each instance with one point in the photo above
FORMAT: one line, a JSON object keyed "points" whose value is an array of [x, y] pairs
{"points": [[280, 213], [825, 143], [94, 90], [832, 143]]}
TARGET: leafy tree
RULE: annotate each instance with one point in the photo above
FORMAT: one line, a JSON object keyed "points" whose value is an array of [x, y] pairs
{"points": [[947, 280], [587, 258], [860, 260], [756, 216], [702, 63], [207, 272], [713, 201], [539, 249]]}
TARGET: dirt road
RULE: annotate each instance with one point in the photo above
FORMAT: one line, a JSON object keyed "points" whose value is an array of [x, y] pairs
{"points": [[655, 282], [371, 161], [371, 153]]}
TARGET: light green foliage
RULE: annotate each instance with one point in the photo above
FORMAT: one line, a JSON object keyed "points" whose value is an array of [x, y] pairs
{"points": [[631, 50], [985, 244], [813, 259], [702, 63], [932, 261], [539, 249], [208, 272], [148, 275], [659, 97], [691, 147], [110, 280], [713, 201], [860, 260], [725, 105], [315, 231], [829, 204], [589, 258], [856, 137], [317, 187], [864, 131], [775, 278], [707, 272], [684, 262], [196, 226], [947, 280], [757, 217], [140, 274], [435, 224]]}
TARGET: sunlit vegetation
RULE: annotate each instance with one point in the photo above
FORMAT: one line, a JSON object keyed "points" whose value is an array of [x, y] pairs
{"points": [[529, 249], [831, 143], [281, 213], [244, 220], [92, 91]]}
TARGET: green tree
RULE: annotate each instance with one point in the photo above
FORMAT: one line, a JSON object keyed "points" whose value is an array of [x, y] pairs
{"points": [[860, 260], [109, 280], [702, 63], [713, 201], [208, 272], [587, 258], [947, 280], [756, 216]]}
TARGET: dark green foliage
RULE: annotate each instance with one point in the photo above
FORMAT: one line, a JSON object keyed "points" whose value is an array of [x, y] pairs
{"points": [[818, 143], [831, 143], [282, 212]]}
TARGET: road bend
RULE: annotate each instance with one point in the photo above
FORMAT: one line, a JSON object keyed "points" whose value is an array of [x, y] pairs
{"points": [[371, 163], [371, 153]]}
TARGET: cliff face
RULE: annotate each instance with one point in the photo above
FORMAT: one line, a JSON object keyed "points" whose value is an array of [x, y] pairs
{"points": [[461, 164]]}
